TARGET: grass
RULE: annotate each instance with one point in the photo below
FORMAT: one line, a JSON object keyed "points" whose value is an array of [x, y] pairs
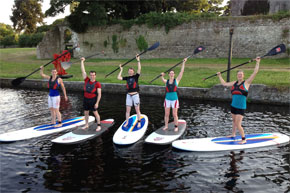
{"points": [[19, 62]]}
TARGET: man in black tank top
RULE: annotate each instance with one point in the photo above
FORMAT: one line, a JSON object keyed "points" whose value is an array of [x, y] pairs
{"points": [[132, 97]]}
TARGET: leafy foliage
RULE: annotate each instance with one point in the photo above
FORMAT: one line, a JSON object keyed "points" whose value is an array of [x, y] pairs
{"points": [[26, 14]]}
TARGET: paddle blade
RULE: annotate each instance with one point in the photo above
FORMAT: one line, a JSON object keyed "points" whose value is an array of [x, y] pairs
{"points": [[277, 50], [199, 49], [154, 46], [66, 65], [18, 81]]}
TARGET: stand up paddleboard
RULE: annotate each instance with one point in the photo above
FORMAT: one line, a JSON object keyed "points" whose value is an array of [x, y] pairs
{"points": [[79, 135], [130, 134], [41, 130], [164, 137], [229, 143]]}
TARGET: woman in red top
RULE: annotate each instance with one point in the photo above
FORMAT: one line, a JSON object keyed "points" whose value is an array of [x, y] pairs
{"points": [[92, 96]]}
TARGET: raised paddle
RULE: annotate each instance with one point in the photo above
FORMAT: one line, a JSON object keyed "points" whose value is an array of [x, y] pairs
{"points": [[274, 51], [19, 80], [154, 46], [67, 65], [197, 50]]}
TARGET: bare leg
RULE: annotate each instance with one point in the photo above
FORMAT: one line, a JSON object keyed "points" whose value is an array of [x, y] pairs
{"points": [[175, 116], [137, 108], [86, 120], [239, 119], [166, 117], [234, 127], [58, 114], [128, 110], [98, 120], [52, 113]]}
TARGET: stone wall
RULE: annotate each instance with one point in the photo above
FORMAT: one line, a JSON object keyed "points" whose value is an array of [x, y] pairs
{"points": [[275, 6], [258, 93], [251, 38]]}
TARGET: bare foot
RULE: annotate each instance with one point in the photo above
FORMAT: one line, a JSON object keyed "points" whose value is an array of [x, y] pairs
{"points": [[231, 136], [139, 124], [243, 142], [98, 128], [165, 128], [176, 129], [58, 125], [126, 124], [85, 127]]}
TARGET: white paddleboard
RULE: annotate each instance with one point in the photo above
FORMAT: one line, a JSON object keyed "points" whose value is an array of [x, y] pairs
{"points": [[80, 135], [164, 137], [41, 130], [229, 143], [130, 134]]}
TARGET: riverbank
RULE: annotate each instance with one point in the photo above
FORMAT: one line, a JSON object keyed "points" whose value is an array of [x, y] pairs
{"points": [[258, 93]]}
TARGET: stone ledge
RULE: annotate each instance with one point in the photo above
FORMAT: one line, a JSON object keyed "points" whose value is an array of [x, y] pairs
{"points": [[258, 93]]}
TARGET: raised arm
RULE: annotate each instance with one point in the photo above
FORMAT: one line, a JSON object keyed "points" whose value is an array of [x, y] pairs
{"points": [[181, 71], [223, 82], [251, 78], [162, 77], [63, 88], [120, 73], [84, 74], [139, 64], [42, 74]]}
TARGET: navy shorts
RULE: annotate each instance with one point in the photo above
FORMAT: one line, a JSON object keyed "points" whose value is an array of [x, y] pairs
{"points": [[89, 104], [236, 111]]}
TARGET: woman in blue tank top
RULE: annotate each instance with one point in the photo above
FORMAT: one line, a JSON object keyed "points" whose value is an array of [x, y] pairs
{"points": [[54, 84], [239, 90], [171, 97]]}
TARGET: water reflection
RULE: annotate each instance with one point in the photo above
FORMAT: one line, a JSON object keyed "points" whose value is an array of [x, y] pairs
{"points": [[37, 165]]}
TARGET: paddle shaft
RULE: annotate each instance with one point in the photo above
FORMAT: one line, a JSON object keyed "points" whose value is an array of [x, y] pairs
{"points": [[125, 63], [86, 57], [52, 61], [169, 69], [233, 68]]}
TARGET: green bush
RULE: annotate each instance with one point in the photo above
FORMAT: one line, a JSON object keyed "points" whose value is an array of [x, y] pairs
{"points": [[9, 40], [30, 40], [141, 43]]}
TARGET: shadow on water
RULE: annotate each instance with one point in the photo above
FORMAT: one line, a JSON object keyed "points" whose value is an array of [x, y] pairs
{"points": [[97, 165]]}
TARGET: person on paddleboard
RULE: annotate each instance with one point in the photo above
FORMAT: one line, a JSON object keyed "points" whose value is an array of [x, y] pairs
{"points": [[171, 97], [54, 84], [132, 97], [92, 96], [239, 90]]}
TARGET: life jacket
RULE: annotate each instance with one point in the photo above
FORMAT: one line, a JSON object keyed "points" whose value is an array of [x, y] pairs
{"points": [[239, 89], [171, 87], [90, 88], [132, 84], [53, 84]]}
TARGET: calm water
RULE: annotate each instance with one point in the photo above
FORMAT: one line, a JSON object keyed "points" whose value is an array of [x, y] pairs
{"points": [[37, 165]]}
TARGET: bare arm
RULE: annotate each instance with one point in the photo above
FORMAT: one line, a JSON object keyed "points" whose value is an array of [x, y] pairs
{"points": [[99, 90], [84, 74], [223, 82], [63, 88], [181, 71], [162, 77], [42, 74], [139, 64], [251, 78], [120, 73]]}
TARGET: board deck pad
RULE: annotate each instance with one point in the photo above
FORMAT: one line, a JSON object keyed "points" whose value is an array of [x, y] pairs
{"points": [[131, 134], [79, 135], [42, 130], [164, 137], [231, 143]]}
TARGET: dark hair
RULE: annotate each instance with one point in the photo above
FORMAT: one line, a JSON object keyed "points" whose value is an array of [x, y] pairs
{"points": [[93, 72], [170, 71], [131, 69]]}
